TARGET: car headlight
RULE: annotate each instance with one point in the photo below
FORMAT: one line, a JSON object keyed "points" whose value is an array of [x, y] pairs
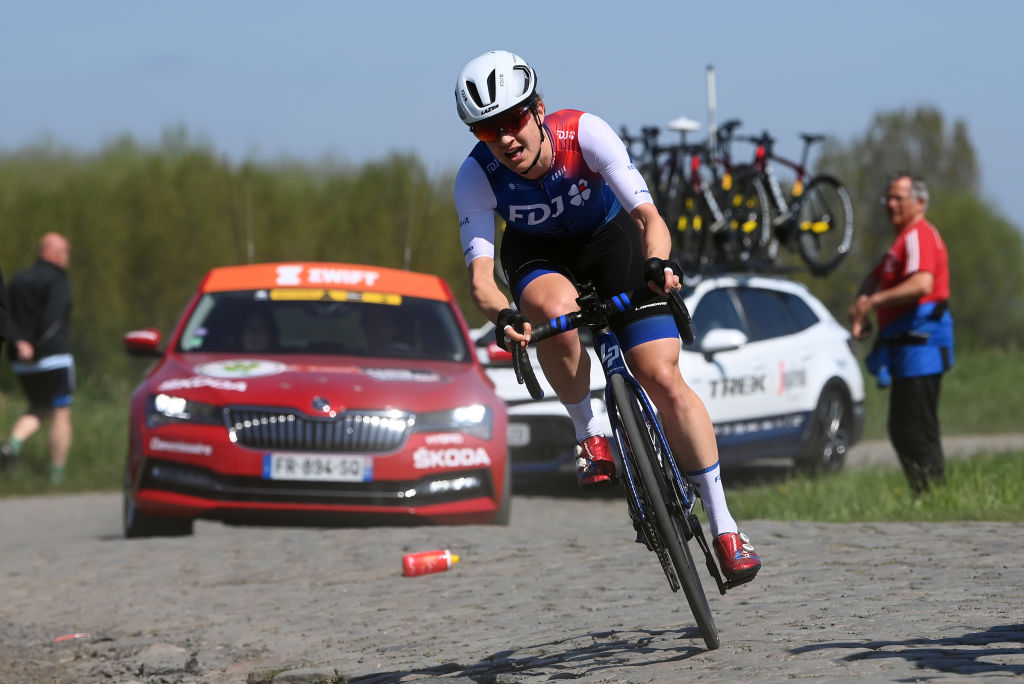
{"points": [[162, 409], [475, 420]]}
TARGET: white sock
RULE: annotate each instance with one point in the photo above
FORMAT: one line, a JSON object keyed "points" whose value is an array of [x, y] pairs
{"points": [[583, 421], [709, 486]]}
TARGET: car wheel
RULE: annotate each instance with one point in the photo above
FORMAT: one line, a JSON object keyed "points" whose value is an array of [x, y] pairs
{"points": [[504, 513], [828, 434], [137, 524]]}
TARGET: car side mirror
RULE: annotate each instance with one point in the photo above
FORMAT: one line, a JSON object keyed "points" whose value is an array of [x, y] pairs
{"points": [[721, 340], [496, 356], [144, 342]]}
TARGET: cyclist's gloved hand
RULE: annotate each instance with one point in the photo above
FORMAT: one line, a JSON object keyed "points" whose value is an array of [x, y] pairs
{"points": [[508, 317], [655, 271]]}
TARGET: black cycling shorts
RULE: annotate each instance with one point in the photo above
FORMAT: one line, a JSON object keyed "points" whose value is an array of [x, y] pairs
{"points": [[49, 389], [612, 258]]}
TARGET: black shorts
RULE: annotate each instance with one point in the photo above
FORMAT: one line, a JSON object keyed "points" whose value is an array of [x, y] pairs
{"points": [[50, 389], [612, 258]]}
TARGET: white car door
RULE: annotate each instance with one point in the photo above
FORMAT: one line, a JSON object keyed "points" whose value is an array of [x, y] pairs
{"points": [[779, 324], [733, 383]]}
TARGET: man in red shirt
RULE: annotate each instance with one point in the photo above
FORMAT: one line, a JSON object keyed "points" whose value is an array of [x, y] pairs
{"points": [[908, 290]]}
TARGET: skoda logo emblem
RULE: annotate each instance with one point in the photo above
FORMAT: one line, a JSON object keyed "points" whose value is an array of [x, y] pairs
{"points": [[322, 405]]}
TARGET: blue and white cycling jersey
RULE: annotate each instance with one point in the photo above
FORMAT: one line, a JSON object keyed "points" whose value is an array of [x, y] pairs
{"points": [[590, 180]]}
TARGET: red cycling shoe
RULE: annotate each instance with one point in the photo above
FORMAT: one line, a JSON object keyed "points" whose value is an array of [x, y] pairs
{"points": [[737, 557], [595, 467]]}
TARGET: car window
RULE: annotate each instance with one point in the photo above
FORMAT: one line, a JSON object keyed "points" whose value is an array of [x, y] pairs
{"points": [[390, 326], [715, 310], [802, 314], [771, 313]]}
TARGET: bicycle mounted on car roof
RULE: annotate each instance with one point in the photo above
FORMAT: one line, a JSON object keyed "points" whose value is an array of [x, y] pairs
{"points": [[702, 201], [815, 217], [737, 216]]}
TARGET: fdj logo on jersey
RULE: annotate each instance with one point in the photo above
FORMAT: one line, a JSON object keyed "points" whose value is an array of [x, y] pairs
{"points": [[536, 214]]}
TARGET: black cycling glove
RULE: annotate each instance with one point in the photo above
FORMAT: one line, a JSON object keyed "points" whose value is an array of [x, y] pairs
{"points": [[507, 317], [654, 270]]}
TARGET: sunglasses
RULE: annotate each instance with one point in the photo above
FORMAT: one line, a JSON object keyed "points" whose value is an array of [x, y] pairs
{"points": [[510, 122]]}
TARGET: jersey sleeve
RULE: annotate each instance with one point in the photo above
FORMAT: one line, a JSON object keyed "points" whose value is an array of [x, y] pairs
{"points": [[606, 154], [475, 203], [922, 251]]}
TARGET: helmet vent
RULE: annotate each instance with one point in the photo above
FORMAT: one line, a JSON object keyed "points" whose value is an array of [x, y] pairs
{"points": [[527, 85], [473, 93], [492, 91]]}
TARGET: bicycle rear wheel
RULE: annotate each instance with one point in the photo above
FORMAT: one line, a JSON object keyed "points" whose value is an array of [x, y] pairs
{"points": [[654, 488], [825, 220], [748, 219], [689, 221]]}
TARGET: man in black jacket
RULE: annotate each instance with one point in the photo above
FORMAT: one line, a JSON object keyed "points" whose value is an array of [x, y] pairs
{"points": [[39, 345]]}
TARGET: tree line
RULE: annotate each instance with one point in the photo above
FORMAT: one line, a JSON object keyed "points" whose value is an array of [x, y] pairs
{"points": [[147, 222]]}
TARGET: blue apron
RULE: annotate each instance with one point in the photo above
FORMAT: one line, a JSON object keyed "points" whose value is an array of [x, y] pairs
{"points": [[918, 343]]}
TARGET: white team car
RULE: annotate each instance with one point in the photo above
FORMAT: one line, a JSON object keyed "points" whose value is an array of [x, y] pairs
{"points": [[773, 366]]}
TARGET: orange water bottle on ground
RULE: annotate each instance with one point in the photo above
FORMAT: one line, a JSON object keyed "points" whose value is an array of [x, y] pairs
{"points": [[425, 562]]}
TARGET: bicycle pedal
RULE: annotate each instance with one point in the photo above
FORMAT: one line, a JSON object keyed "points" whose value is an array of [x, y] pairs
{"points": [[732, 584]]}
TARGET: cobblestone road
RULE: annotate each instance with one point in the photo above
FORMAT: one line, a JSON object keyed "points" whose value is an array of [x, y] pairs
{"points": [[563, 593]]}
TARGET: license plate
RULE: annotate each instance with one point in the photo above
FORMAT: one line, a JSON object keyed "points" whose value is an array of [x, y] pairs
{"points": [[518, 434], [324, 468]]}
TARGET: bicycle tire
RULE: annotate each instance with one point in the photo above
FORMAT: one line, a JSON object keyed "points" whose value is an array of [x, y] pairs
{"points": [[825, 223], [654, 485], [749, 220], [690, 218]]}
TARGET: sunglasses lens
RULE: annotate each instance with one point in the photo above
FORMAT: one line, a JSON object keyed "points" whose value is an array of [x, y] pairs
{"points": [[485, 130], [510, 122]]}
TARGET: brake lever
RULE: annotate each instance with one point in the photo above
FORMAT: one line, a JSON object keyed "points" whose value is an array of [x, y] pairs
{"points": [[681, 314], [524, 371]]}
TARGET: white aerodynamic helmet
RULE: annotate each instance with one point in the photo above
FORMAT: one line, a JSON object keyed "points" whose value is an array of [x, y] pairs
{"points": [[492, 83]]}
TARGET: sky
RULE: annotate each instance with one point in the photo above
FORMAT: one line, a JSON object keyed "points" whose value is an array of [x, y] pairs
{"points": [[357, 81]]}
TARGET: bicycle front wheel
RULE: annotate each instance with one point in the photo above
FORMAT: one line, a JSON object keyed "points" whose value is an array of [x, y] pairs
{"points": [[825, 220], [654, 488]]}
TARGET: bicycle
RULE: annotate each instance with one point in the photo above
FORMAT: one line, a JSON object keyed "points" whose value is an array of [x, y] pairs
{"points": [[721, 215], [817, 216], [660, 501], [711, 219]]}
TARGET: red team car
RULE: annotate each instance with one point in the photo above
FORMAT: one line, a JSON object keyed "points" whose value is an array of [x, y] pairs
{"points": [[314, 393]]}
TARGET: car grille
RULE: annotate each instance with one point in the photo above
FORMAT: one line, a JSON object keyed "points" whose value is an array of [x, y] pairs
{"points": [[365, 431]]}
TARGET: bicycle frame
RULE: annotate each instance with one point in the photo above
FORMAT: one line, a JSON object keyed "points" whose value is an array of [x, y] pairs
{"points": [[764, 156], [700, 187]]}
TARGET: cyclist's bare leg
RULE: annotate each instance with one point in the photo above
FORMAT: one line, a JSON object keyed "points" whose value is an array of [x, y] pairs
{"points": [[683, 415], [565, 364], [686, 423]]}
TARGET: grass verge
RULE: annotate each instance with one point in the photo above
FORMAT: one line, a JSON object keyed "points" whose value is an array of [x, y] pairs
{"points": [[983, 487]]}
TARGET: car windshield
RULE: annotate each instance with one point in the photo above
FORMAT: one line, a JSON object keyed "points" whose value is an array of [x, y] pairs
{"points": [[298, 322]]}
